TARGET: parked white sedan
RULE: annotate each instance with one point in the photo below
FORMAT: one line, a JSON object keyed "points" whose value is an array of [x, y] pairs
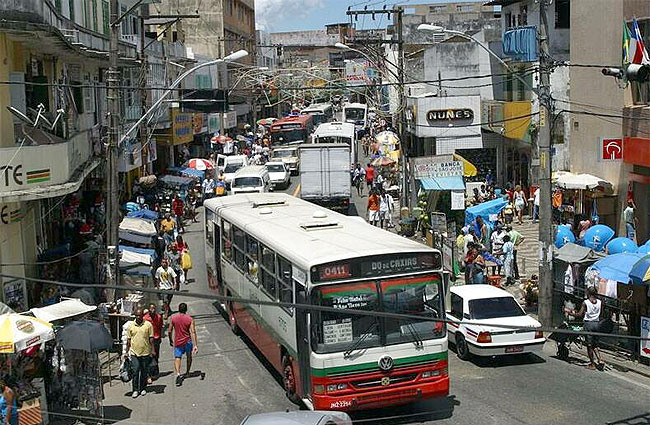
{"points": [[279, 174], [485, 306]]}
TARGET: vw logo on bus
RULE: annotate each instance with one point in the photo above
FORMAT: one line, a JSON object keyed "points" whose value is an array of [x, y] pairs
{"points": [[385, 363]]}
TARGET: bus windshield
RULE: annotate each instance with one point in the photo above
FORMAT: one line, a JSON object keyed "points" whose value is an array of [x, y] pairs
{"points": [[318, 118], [355, 114], [247, 182], [413, 296], [335, 139], [288, 136]]}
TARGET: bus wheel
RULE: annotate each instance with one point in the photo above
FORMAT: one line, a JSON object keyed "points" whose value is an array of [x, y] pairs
{"points": [[289, 380], [234, 327]]}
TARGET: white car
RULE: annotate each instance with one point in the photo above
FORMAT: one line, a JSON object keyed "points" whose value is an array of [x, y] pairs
{"points": [[232, 164], [251, 179], [279, 174], [315, 417], [288, 155], [484, 306]]}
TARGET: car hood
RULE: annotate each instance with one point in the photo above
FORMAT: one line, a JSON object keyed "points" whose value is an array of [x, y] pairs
{"points": [[518, 321]]}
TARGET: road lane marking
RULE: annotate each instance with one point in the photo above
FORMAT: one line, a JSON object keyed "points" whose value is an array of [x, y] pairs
{"points": [[295, 192]]}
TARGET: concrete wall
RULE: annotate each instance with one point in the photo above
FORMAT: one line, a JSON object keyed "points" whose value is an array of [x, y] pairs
{"points": [[305, 38]]}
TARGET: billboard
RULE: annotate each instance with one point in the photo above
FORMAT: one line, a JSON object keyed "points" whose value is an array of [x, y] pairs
{"points": [[359, 72]]}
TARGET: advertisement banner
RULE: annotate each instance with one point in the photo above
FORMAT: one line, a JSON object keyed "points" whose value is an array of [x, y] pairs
{"points": [[229, 120], [358, 72], [214, 123], [457, 200], [644, 344], [182, 127], [436, 166], [199, 123]]}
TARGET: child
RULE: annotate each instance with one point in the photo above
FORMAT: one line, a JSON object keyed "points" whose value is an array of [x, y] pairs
{"points": [[508, 250]]}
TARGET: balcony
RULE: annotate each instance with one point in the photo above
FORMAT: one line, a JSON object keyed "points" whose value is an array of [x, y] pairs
{"points": [[46, 166], [521, 44]]}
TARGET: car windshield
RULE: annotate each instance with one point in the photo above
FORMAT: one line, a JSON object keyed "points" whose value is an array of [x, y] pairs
{"points": [[415, 296], [232, 167], [492, 308], [285, 153], [354, 114], [275, 168], [247, 182]]}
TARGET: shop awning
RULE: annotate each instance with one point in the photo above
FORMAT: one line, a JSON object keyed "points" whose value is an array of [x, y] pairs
{"points": [[580, 181], [443, 183], [61, 310]]}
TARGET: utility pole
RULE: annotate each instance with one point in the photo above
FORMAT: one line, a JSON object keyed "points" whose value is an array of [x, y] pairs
{"points": [[544, 146], [112, 201], [402, 99], [144, 68]]}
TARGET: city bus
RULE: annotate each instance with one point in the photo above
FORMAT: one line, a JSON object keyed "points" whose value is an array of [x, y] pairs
{"points": [[294, 129], [275, 247], [338, 132], [357, 114], [322, 112]]}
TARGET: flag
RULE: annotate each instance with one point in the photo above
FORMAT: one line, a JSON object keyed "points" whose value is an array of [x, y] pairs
{"points": [[626, 44], [640, 55]]}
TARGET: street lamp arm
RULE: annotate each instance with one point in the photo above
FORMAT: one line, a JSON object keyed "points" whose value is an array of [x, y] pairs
{"points": [[232, 57]]}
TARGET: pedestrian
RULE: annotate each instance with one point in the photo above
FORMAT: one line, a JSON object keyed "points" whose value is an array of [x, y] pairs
{"points": [[156, 320], [508, 257], [182, 336], [478, 199], [536, 206], [497, 244], [167, 225], [208, 187], [484, 232], [167, 280], [583, 226], [520, 203], [8, 402], [591, 309], [179, 210], [630, 220], [183, 249], [373, 208], [370, 176], [517, 239], [140, 349], [386, 207], [358, 176]]}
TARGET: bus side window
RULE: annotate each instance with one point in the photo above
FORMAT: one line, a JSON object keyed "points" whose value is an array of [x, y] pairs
{"points": [[252, 247], [226, 246], [268, 271], [238, 239], [285, 281], [208, 227]]}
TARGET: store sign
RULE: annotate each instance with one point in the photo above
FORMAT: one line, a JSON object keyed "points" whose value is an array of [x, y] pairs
{"points": [[214, 123], [436, 166], [10, 213], [199, 123], [644, 345], [611, 149], [182, 127], [230, 119], [450, 114]]}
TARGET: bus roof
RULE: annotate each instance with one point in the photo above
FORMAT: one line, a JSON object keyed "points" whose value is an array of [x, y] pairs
{"points": [[355, 105], [335, 129], [316, 107], [294, 119], [307, 233]]}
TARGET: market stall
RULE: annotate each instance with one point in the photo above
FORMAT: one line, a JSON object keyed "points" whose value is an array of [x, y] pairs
{"points": [[137, 231], [579, 196]]}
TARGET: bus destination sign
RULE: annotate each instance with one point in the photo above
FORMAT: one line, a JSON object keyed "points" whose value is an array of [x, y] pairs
{"points": [[335, 271], [378, 266]]}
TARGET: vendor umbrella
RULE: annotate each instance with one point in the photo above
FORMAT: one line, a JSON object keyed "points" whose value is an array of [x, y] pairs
{"points": [[596, 237], [469, 169], [220, 139], [266, 121], [618, 245], [18, 332], [84, 335], [383, 161], [640, 273], [199, 164]]}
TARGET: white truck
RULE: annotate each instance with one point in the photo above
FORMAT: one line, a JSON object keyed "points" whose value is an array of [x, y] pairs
{"points": [[325, 175]]}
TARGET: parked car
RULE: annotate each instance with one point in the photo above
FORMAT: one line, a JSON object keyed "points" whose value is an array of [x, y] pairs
{"points": [[279, 174], [316, 417], [288, 155], [251, 179], [486, 306]]}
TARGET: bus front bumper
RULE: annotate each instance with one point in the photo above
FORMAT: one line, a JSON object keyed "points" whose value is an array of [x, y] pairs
{"points": [[385, 397]]}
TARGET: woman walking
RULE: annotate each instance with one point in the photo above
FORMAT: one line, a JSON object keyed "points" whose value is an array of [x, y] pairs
{"points": [[520, 203]]}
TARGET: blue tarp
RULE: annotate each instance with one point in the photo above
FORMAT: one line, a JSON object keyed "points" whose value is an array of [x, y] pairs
{"points": [[617, 266], [145, 214], [137, 269], [176, 180], [191, 172], [485, 210], [442, 183]]}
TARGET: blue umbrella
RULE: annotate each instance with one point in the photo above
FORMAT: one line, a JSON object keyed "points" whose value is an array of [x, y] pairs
{"points": [[597, 237], [643, 249], [563, 236], [616, 267], [618, 245], [640, 273]]}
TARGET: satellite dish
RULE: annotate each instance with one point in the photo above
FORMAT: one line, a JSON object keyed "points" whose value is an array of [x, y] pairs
{"points": [[24, 118]]}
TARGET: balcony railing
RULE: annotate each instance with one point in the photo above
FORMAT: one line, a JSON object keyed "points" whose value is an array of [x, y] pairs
{"points": [[521, 44]]}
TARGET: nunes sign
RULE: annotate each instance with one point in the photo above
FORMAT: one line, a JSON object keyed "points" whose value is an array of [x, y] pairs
{"points": [[450, 114]]}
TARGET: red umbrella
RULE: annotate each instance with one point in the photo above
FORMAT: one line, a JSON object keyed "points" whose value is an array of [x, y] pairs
{"points": [[220, 139], [199, 164]]}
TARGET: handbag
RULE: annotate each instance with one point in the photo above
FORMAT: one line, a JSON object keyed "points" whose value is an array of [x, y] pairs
{"points": [[126, 370], [186, 260]]}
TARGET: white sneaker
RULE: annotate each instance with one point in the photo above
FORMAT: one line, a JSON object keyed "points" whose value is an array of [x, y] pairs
{"points": [[143, 392], [135, 394]]}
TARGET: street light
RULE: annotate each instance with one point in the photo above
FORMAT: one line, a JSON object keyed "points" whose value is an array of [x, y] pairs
{"points": [[230, 58]]}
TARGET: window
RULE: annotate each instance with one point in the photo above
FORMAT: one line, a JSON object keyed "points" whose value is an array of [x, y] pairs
{"points": [[562, 14], [507, 19], [286, 281], [523, 20], [238, 243], [226, 245], [437, 9], [252, 252], [456, 306], [229, 7], [71, 9], [268, 271], [105, 17], [209, 236], [57, 4]]}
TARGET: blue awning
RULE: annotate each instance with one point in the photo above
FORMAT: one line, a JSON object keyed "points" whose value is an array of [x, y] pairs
{"points": [[443, 183]]}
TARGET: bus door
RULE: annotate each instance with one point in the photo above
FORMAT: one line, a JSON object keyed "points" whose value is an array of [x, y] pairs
{"points": [[302, 338], [217, 256]]}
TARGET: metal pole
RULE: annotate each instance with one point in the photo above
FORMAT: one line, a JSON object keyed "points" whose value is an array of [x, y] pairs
{"points": [[143, 94], [401, 112], [112, 198], [544, 144]]}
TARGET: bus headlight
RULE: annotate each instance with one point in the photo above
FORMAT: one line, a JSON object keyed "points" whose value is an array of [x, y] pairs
{"points": [[319, 389], [336, 387]]}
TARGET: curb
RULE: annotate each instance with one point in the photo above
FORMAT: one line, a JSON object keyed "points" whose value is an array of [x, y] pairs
{"points": [[615, 363]]}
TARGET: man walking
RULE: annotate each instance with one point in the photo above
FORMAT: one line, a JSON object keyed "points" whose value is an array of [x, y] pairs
{"points": [[140, 348], [208, 187], [167, 225], [179, 210], [156, 321], [630, 220], [517, 239], [166, 279], [370, 176], [373, 208], [182, 336]]}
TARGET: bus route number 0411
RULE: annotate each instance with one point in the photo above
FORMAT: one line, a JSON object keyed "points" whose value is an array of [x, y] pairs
{"points": [[334, 272]]}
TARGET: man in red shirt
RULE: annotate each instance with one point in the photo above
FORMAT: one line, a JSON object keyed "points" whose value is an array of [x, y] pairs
{"points": [[184, 341], [156, 321], [373, 207], [370, 176], [179, 209]]}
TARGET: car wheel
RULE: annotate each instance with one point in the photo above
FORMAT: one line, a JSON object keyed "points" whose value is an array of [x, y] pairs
{"points": [[462, 349], [289, 380], [232, 319]]}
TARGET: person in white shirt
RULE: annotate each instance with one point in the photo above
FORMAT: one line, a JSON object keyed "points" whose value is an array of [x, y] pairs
{"points": [[228, 147], [536, 206], [385, 210], [591, 309], [208, 188], [166, 279]]}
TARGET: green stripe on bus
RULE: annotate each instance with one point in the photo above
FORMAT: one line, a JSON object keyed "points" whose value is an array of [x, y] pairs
{"points": [[371, 366]]}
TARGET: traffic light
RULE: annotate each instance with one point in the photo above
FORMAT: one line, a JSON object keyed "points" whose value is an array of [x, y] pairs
{"points": [[632, 72]]}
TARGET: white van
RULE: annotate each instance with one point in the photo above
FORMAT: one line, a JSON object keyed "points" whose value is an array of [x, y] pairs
{"points": [[231, 165], [251, 179]]}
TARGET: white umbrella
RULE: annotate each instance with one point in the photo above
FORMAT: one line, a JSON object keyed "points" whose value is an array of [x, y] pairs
{"points": [[580, 181], [18, 332]]}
